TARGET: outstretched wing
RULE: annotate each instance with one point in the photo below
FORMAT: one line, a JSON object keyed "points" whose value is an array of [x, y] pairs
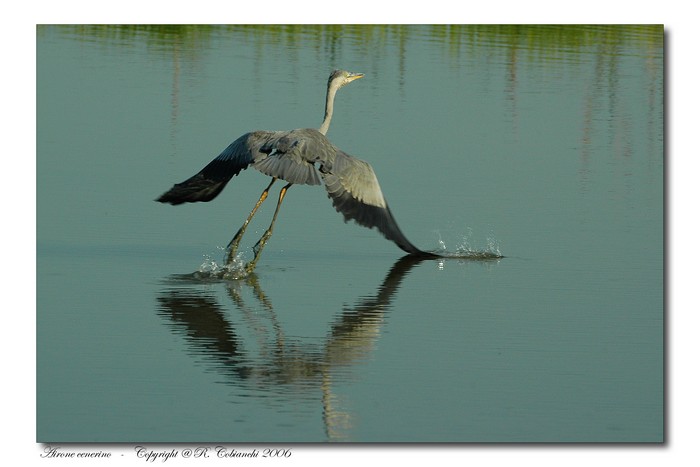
{"points": [[354, 189], [208, 183], [292, 156], [280, 154]]}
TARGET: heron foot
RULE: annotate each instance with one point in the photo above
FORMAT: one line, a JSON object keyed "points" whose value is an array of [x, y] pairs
{"points": [[232, 247], [257, 250]]}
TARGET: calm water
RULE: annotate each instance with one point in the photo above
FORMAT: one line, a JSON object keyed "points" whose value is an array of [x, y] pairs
{"points": [[544, 144]]}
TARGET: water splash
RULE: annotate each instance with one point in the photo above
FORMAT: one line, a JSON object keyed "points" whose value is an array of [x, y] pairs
{"points": [[212, 269], [465, 250]]}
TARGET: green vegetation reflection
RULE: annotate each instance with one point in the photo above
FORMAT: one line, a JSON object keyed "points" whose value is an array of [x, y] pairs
{"points": [[543, 39]]}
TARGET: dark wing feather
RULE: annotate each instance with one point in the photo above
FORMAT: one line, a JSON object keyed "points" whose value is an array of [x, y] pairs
{"points": [[280, 154], [208, 183], [353, 187]]}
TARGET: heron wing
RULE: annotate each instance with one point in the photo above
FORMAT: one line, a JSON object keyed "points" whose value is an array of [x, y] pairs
{"points": [[354, 190], [276, 153]]}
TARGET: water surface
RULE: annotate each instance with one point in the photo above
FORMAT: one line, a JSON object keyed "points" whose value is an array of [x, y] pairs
{"points": [[544, 144]]}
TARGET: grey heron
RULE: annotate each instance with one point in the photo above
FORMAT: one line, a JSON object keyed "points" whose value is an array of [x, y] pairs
{"points": [[301, 156]]}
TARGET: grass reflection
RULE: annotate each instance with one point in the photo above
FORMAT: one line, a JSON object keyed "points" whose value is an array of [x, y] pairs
{"points": [[544, 40]]}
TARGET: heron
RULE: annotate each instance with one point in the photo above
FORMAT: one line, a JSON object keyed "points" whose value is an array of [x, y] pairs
{"points": [[301, 156]]}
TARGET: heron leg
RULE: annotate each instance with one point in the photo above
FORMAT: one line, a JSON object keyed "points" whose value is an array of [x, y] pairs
{"points": [[232, 247], [257, 249]]}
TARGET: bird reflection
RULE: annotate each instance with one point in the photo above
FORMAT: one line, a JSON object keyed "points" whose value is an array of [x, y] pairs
{"points": [[255, 353]]}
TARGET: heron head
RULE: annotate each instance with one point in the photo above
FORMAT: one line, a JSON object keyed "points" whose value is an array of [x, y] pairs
{"points": [[340, 78]]}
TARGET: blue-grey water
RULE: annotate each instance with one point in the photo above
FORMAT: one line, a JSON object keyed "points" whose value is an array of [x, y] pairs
{"points": [[542, 144]]}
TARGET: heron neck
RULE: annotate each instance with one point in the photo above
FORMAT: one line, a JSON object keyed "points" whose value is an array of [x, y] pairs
{"points": [[330, 97]]}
